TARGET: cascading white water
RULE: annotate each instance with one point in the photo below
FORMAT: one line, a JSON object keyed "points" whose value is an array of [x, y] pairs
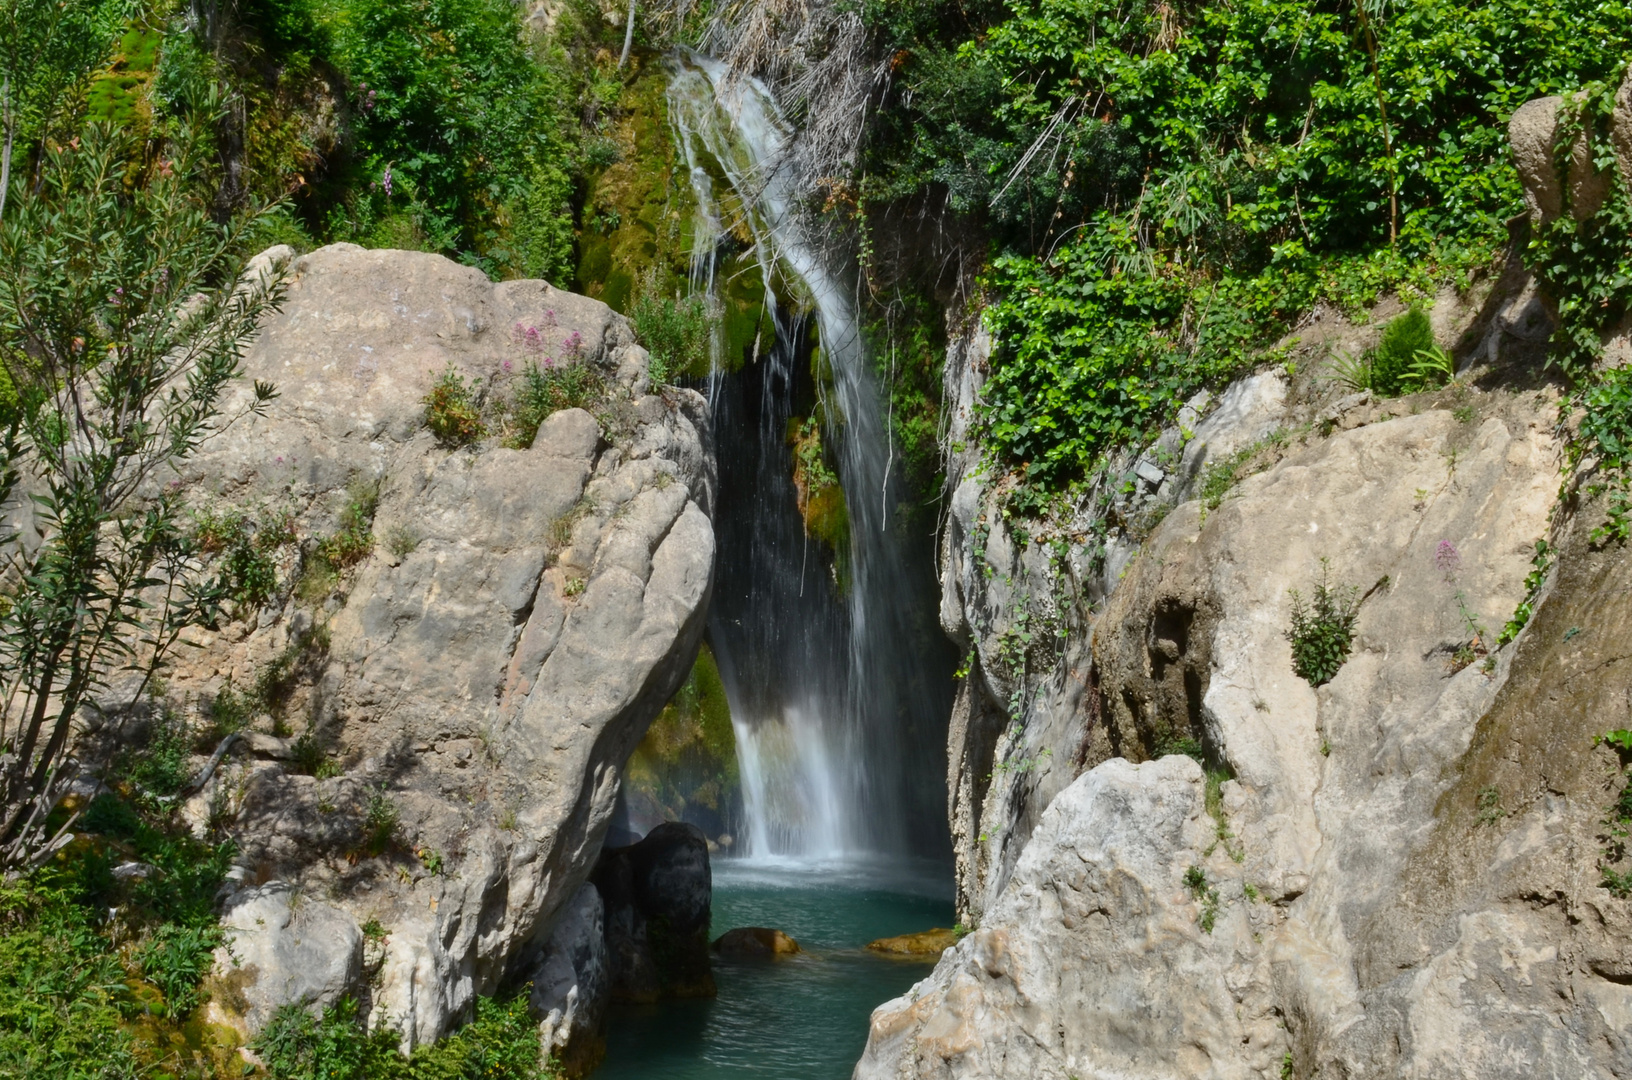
{"points": [[826, 683]]}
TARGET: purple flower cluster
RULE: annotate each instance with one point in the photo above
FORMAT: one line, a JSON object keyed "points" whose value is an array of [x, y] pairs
{"points": [[1447, 559], [532, 341]]}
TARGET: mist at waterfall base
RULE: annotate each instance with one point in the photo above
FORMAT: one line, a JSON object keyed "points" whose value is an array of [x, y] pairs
{"points": [[839, 689], [803, 1017]]}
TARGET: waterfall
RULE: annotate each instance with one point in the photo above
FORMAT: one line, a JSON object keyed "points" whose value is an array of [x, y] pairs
{"points": [[836, 691]]}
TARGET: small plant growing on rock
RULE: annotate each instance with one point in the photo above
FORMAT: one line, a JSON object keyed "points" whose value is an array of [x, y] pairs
{"points": [[675, 333], [402, 541], [1618, 822], [546, 388], [380, 818], [1490, 806], [451, 411], [1322, 630], [354, 542], [1195, 879]]}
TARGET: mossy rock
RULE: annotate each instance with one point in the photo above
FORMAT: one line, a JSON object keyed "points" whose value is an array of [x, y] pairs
{"points": [[689, 754], [642, 202]]}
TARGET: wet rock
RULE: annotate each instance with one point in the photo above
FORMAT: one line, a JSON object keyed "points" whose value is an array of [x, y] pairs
{"points": [[755, 943], [924, 945], [658, 896]]}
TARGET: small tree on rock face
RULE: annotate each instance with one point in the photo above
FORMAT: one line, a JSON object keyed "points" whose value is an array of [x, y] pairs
{"points": [[1322, 629], [124, 313]]}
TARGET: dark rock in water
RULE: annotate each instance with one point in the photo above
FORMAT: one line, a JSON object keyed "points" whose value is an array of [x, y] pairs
{"points": [[658, 895], [755, 943], [925, 945]]}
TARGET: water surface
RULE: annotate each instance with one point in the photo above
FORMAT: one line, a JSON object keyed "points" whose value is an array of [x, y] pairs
{"points": [[800, 1018]]}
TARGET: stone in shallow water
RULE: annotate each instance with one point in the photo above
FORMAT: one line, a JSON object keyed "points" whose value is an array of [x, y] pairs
{"points": [[755, 942], [925, 945]]}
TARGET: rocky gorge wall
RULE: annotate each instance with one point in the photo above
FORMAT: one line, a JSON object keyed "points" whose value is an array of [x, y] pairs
{"points": [[438, 730], [1178, 858]]}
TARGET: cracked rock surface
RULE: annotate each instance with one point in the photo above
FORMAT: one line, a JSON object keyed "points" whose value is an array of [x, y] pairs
{"points": [[474, 685]]}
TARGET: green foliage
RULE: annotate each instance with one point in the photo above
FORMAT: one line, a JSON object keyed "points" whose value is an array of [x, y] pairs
{"points": [[1541, 564], [1195, 879], [175, 959], [820, 497], [500, 1043], [451, 411], [454, 119], [1490, 809], [63, 997], [1617, 822], [1392, 362], [69, 998], [1605, 434], [47, 51], [689, 754], [546, 389], [380, 819], [354, 541], [908, 347], [676, 333], [160, 768], [1322, 629], [249, 574], [1172, 187], [120, 330]]}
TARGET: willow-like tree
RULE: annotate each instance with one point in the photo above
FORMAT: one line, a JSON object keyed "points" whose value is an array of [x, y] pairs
{"points": [[124, 312]]}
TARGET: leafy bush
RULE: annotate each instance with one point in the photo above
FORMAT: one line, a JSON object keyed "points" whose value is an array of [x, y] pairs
{"points": [[354, 541], [1394, 361], [547, 389], [500, 1043], [451, 411], [676, 333], [1322, 629]]}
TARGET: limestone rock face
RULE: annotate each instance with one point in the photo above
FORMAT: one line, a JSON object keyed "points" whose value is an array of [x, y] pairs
{"points": [[283, 948], [1092, 959], [469, 690], [1092, 962], [573, 984]]}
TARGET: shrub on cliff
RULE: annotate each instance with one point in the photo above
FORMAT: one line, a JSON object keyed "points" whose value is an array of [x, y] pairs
{"points": [[451, 411], [123, 317], [1322, 629]]}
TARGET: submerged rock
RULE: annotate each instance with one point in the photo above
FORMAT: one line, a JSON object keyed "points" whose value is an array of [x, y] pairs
{"points": [[755, 943], [659, 895], [924, 945]]}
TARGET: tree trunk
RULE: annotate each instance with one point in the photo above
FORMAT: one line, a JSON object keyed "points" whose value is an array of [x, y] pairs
{"points": [[628, 35]]}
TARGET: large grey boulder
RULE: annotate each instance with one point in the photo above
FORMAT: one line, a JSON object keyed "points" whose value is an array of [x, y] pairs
{"points": [[1093, 962], [1338, 942], [479, 679], [284, 948]]}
